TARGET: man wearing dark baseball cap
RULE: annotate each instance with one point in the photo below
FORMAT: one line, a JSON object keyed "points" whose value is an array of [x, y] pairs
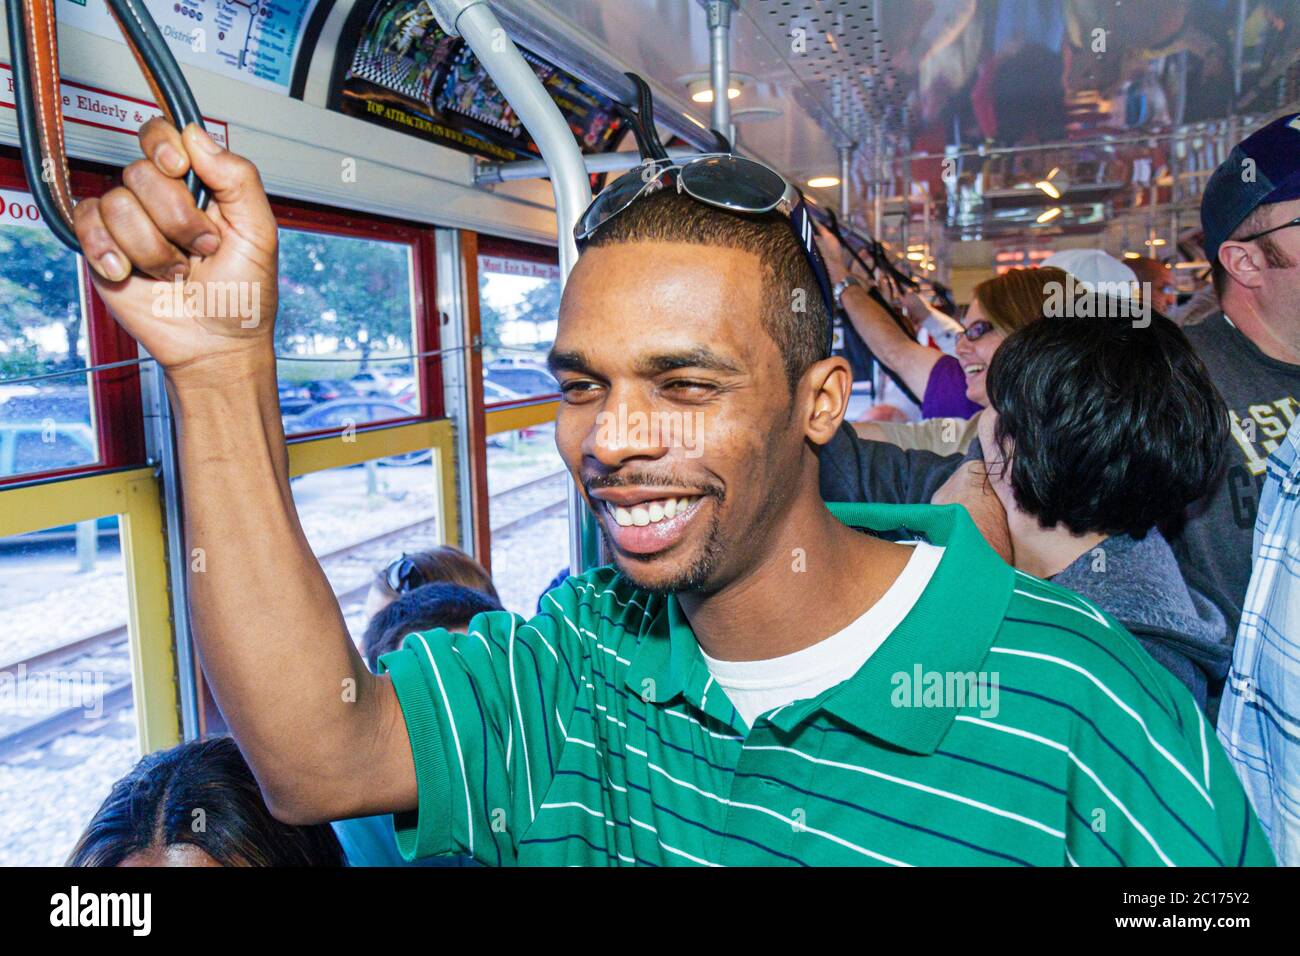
{"points": [[1250, 214]]}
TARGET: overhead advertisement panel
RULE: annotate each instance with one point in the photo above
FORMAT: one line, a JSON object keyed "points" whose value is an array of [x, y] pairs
{"points": [[396, 67], [254, 41]]}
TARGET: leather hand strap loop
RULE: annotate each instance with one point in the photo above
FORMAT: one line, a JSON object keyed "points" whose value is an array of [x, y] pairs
{"points": [[33, 42]]}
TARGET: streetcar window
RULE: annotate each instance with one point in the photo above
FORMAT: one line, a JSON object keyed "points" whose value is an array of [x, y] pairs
{"points": [[46, 420], [519, 306], [345, 333], [67, 722], [528, 485], [358, 518]]}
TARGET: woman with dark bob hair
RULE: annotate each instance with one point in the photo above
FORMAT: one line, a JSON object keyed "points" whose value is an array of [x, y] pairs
{"points": [[197, 805], [1103, 431]]}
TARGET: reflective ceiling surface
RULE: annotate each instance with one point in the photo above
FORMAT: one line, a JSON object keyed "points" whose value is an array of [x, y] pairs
{"points": [[963, 77]]}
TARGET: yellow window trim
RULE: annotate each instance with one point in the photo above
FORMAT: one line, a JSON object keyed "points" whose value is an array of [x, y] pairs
{"points": [[354, 447], [134, 496], [520, 416]]}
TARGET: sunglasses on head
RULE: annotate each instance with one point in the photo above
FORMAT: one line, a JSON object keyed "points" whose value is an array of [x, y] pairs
{"points": [[403, 575], [722, 180]]}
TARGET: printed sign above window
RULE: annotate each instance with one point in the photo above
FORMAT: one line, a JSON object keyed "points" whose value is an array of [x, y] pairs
{"points": [[396, 67]]}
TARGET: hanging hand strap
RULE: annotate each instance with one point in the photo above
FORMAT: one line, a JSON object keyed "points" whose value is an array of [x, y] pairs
{"points": [[33, 42]]}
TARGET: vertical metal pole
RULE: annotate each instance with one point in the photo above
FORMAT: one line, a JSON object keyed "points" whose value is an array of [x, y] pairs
{"points": [[455, 374], [160, 445], [1238, 54], [475, 21], [878, 161], [720, 63], [846, 194]]}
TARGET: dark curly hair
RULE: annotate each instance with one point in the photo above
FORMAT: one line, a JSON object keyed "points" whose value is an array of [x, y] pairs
{"points": [[202, 794], [1115, 428]]}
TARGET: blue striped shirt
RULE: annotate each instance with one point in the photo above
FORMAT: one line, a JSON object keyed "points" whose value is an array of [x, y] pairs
{"points": [[1259, 719]]}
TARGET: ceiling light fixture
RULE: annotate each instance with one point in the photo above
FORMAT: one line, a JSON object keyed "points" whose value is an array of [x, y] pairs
{"points": [[700, 85], [823, 182], [1049, 215]]}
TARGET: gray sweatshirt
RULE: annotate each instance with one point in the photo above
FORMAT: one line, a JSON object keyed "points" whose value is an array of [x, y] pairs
{"points": [[1139, 584]]}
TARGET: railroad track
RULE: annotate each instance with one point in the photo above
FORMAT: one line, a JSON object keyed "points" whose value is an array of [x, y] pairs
{"points": [[512, 504]]}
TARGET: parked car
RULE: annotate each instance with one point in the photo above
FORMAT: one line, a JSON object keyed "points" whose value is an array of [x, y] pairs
{"points": [[525, 379], [495, 392], [328, 390], [30, 447], [373, 382], [355, 412], [295, 398]]}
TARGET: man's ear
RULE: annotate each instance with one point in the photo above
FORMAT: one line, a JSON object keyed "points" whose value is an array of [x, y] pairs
{"points": [[827, 386], [1243, 262]]}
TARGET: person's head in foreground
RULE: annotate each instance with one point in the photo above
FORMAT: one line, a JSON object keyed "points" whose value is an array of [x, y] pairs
{"points": [[1106, 428], [1250, 213], [424, 608], [197, 805], [444, 564], [693, 356], [999, 307], [1106, 432]]}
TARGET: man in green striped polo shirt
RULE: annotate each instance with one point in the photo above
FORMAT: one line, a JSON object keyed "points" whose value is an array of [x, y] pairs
{"points": [[754, 680], [755, 683], [596, 734]]}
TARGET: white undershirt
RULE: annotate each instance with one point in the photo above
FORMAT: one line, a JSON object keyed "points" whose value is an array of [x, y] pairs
{"points": [[756, 687]]}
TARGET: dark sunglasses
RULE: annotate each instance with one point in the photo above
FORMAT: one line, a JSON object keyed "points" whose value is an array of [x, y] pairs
{"points": [[722, 180], [1259, 235], [716, 179], [977, 330], [403, 575]]}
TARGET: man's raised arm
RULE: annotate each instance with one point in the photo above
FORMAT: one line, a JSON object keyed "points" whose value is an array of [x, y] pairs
{"points": [[324, 737]]}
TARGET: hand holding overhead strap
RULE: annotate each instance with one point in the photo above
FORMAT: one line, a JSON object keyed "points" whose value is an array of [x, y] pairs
{"points": [[33, 42]]}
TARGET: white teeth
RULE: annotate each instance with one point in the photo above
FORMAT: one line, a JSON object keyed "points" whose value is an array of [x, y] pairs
{"points": [[650, 512]]}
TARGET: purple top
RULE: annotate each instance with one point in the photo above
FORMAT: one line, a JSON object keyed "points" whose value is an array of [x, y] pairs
{"points": [[945, 392]]}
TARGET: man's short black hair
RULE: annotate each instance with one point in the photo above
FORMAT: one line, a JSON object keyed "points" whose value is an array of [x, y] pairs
{"points": [[795, 315], [1116, 429], [422, 609]]}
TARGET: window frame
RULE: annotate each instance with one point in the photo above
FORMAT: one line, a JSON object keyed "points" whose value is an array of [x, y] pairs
{"points": [[115, 394], [503, 248], [292, 214]]}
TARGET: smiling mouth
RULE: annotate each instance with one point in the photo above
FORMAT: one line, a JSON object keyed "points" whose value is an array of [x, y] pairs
{"points": [[974, 368], [651, 526]]}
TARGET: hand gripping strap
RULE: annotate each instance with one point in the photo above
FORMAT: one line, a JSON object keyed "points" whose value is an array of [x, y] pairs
{"points": [[33, 39]]}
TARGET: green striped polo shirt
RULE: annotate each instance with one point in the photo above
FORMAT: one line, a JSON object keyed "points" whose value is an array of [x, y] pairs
{"points": [[1005, 721]]}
